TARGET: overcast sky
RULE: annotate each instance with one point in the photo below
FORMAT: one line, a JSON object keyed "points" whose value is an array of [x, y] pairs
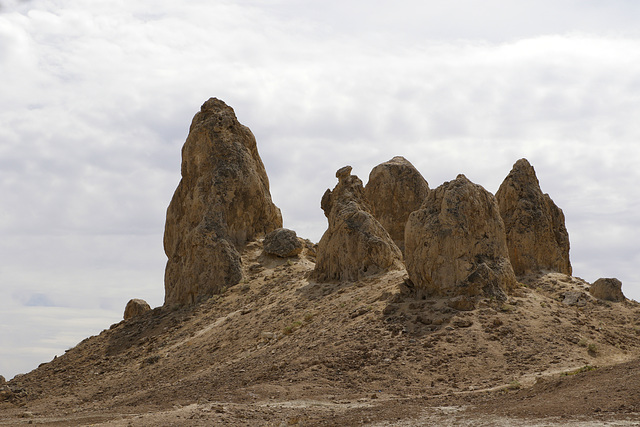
{"points": [[96, 99]]}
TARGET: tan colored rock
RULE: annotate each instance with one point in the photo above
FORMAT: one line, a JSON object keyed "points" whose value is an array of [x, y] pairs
{"points": [[221, 203], [135, 307], [609, 289], [455, 244], [536, 234], [395, 189], [355, 245], [282, 242]]}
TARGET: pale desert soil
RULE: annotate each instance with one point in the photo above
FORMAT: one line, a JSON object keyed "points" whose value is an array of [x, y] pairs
{"points": [[280, 349]]}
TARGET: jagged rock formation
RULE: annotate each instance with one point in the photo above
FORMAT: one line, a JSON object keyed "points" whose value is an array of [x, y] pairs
{"points": [[455, 243], [609, 289], [395, 189], [283, 243], [222, 202], [355, 245], [536, 234], [135, 307]]}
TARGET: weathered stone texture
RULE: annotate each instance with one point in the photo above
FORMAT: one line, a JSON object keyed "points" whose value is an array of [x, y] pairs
{"points": [[283, 243], [355, 245], [222, 202], [395, 189], [135, 307], [609, 289], [455, 244], [536, 234]]}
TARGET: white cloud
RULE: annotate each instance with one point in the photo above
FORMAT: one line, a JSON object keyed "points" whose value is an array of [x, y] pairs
{"points": [[98, 97]]}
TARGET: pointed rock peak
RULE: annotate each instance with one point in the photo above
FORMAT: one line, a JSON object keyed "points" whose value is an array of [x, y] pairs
{"points": [[343, 173], [522, 173], [221, 203], [215, 104], [535, 228], [522, 164]]}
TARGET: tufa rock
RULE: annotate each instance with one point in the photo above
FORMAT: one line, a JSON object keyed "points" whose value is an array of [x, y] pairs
{"points": [[609, 289], [221, 203], [395, 189], [355, 245], [455, 244], [135, 307], [536, 234], [283, 243]]}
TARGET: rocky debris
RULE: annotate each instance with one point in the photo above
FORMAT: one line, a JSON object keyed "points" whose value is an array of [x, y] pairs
{"points": [[461, 303], [135, 307], [11, 393], [282, 242], [395, 189], [5, 393], [221, 203], [455, 243], [609, 289], [355, 245], [2, 380], [536, 234], [576, 298]]}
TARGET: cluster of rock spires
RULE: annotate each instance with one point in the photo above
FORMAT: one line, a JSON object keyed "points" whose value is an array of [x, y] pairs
{"points": [[457, 240]]}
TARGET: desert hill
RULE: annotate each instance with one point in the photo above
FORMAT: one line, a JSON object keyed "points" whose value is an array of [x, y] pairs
{"points": [[280, 348], [261, 327]]}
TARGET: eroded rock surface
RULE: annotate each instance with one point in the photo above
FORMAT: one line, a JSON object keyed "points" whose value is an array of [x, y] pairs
{"points": [[282, 242], [395, 189], [355, 245], [609, 289], [455, 244], [536, 234], [222, 202], [135, 307]]}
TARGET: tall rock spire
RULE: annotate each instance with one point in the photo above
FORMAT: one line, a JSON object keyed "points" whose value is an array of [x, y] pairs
{"points": [[222, 202], [536, 234]]}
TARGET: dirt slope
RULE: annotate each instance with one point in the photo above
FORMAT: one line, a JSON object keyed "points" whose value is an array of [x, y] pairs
{"points": [[279, 348]]}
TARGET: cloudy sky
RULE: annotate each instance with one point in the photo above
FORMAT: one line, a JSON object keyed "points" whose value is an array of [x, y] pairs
{"points": [[96, 99]]}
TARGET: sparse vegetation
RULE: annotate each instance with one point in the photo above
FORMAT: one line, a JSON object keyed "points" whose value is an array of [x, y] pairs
{"points": [[585, 368], [288, 330]]}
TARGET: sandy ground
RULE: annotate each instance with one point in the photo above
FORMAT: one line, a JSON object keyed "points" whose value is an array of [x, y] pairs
{"points": [[279, 349]]}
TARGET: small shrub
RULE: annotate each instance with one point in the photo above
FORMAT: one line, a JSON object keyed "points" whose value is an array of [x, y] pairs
{"points": [[288, 330], [592, 349], [582, 343], [585, 368]]}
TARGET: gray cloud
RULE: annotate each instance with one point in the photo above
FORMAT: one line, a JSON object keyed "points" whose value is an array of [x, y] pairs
{"points": [[97, 102]]}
